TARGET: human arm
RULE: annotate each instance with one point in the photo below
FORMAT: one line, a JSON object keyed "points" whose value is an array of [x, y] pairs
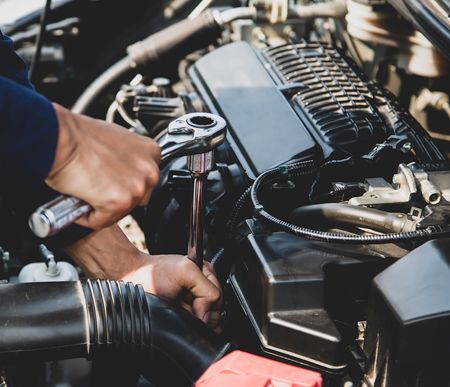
{"points": [[103, 164], [100, 163], [108, 254]]}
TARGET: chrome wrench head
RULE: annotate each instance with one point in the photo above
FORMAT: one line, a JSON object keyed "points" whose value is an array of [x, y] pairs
{"points": [[193, 133]]}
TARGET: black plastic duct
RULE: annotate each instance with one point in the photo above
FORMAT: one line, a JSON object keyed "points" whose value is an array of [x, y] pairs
{"points": [[51, 321]]}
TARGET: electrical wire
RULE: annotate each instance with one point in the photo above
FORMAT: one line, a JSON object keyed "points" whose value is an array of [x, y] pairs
{"points": [[40, 40], [305, 168]]}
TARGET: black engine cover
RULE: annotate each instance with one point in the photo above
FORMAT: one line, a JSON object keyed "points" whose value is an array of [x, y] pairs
{"points": [[408, 335], [299, 100], [263, 129], [303, 298]]}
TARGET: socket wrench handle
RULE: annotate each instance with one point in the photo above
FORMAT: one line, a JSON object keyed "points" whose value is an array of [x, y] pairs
{"points": [[191, 134]]}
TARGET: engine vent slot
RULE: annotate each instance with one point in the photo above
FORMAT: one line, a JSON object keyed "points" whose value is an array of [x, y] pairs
{"points": [[336, 101]]}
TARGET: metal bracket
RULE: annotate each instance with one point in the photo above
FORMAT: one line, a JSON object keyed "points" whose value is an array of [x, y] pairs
{"points": [[379, 191]]}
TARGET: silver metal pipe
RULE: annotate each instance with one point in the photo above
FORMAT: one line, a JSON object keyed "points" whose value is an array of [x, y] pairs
{"points": [[199, 165], [195, 135], [196, 222]]}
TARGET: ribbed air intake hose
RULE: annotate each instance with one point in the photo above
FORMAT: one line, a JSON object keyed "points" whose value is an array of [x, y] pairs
{"points": [[51, 321]]}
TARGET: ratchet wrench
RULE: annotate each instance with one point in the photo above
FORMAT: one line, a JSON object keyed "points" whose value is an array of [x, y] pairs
{"points": [[191, 134]]}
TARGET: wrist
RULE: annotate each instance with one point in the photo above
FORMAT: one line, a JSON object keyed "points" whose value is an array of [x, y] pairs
{"points": [[106, 254], [68, 134]]}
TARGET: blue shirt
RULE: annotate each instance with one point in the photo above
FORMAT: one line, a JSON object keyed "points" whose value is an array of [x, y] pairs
{"points": [[28, 140], [28, 125]]}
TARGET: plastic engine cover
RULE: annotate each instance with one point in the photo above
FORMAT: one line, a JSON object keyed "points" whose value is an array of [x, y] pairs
{"points": [[299, 100], [408, 337], [301, 296]]}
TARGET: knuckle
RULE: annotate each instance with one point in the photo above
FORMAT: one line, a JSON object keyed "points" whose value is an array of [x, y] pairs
{"points": [[215, 294], [120, 201], [127, 203], [153, 179], [154, 150], [152, 173], [187, 264], [137, 189]]}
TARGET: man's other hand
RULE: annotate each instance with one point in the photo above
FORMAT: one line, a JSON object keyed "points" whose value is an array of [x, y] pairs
{"points": [[175, 277], [107, 254], [103, 164]]}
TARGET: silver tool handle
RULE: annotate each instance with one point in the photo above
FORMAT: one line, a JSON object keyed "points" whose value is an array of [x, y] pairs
{"points": [[63, 211], [194, 133], [56, 215]]}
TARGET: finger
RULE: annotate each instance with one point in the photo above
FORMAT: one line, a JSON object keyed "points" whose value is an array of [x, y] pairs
{"points": [[156, 152], [146, 198], [97, 219], [208, 268], [206, 294], [210, 273], [187, 297], [187, 306], [212, 319], [152, 179]]}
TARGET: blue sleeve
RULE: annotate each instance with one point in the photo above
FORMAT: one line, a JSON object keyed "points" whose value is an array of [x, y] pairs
{"points": [[11, 65], [28, 134], [28, 140], [28, 125]]}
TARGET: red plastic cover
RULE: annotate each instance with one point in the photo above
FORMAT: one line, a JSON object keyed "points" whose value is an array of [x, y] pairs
{"points": [[241, 369]]}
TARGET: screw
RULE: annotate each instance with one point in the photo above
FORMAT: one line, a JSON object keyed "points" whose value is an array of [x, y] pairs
{"points": [[406, 147]]}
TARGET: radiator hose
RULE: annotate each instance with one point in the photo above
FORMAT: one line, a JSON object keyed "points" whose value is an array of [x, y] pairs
{"points": [[61, 320]]}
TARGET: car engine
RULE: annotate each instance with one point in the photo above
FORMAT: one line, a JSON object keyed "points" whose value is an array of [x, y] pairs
{"points": [[326, 209]]}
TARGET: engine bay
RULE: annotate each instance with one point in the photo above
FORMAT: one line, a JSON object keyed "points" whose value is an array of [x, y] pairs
{"points": [[325, 210]]}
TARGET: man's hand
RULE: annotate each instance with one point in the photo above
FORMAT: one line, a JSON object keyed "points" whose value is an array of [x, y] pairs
{"points": [[175, 277], [103, 164], [108, 254]]}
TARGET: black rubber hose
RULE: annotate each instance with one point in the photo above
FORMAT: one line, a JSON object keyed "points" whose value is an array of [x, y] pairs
{"points": [[177, 40], [304, 168], [96, 88], [170, 44], [40, 40], [51, 321], [318, 215], [245, 197]]}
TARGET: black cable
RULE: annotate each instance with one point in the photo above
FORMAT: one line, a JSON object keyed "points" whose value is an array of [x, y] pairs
{"points": [[304, 168], [40, 40], [236, 213]]}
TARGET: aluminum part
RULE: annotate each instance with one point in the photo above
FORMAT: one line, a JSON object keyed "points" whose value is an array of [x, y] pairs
{"points": [[434, 187], [379, 191]]}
